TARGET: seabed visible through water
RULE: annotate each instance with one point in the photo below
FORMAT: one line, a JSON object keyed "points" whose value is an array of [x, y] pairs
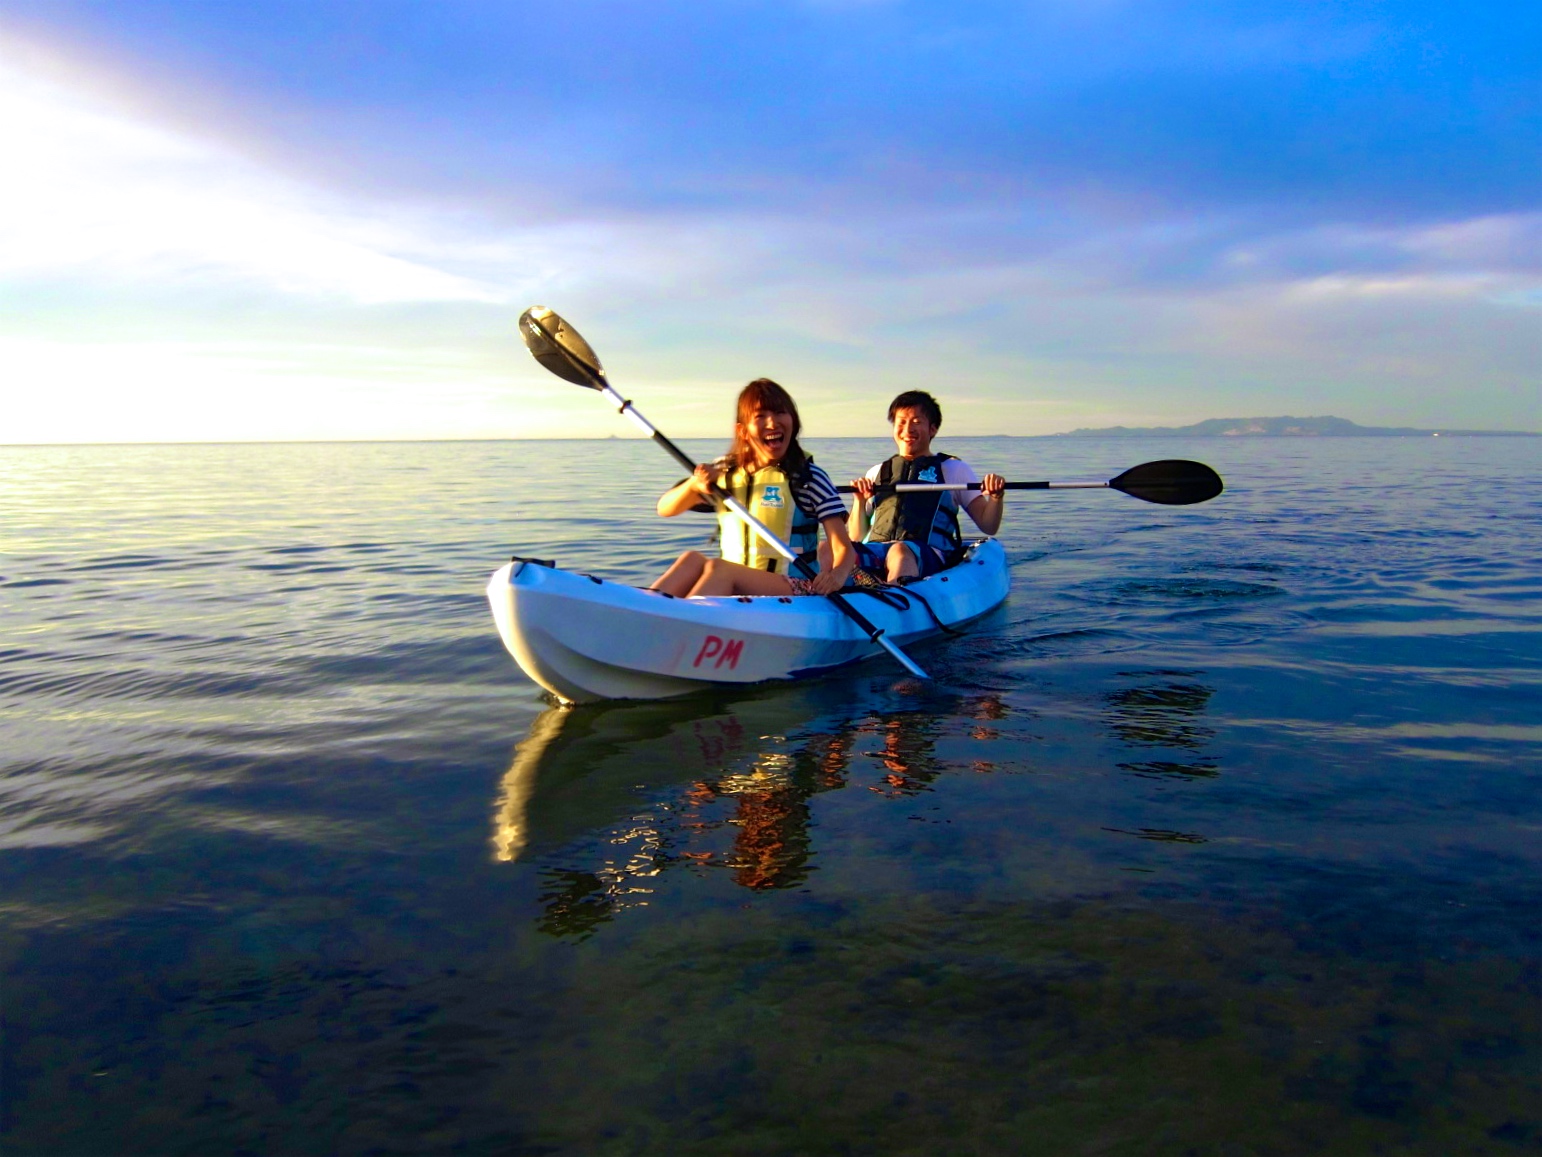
{"points": [[1220, 838]]}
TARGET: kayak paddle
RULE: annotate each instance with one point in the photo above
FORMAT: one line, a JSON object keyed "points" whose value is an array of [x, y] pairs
{"points": [[562, 350], [1171, 482]]}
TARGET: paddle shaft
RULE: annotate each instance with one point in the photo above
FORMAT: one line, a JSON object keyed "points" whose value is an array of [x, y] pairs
{"points": [[1170, 482], [760, 528], [934, 487]]}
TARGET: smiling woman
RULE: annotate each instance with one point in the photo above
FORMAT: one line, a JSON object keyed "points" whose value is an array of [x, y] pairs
{"points": [[767, 471]]}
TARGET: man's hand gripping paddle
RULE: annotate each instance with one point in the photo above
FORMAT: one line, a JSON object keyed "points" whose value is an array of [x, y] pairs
{"points": [[1172, 482]]}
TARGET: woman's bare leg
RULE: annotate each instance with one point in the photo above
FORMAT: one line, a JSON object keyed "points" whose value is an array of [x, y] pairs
{"points": [[682, 576], [729, 578]]}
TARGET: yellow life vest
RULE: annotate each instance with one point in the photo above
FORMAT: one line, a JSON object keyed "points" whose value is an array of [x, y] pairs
{"points": [[767, 493]]}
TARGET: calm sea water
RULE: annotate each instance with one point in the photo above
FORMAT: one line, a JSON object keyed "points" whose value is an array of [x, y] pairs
{"points": [[1222, 837]]}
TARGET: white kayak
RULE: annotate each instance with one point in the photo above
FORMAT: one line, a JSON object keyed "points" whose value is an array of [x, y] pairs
{"points": [[585, 639]]}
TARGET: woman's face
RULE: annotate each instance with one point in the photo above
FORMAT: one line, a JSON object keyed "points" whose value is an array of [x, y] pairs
{"points": [[769, 433]]}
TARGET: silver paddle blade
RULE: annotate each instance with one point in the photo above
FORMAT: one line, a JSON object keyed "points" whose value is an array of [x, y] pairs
{"points": [[560, 348]]}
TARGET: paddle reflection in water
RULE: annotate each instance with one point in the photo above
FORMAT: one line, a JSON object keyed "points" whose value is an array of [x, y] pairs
{"points": [[1164, 709], [727, 788]]}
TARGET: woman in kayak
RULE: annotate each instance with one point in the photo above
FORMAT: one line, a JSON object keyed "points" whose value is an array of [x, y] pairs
{"points": [[769, 473]]}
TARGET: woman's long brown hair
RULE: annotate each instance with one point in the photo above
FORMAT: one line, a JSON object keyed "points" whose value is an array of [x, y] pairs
{"points": [[764, 394]]}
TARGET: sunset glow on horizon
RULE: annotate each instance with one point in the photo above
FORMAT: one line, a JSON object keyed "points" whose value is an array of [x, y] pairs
{"points": [[321, 222]]}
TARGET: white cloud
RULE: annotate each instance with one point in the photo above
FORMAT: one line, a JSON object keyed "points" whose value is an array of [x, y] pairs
{"points": [[1508, 241], [1425, 285], [144, 391], [130, 254], [96, 193]]}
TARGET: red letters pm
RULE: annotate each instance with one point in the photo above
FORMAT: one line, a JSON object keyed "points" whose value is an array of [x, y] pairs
{"points": [[723, 650]]}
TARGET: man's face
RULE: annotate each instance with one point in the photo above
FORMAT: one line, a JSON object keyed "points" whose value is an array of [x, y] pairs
{"points": [[913, 431]]}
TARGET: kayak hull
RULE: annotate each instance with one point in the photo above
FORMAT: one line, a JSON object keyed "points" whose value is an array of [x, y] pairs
{"points": [[586, 640]]}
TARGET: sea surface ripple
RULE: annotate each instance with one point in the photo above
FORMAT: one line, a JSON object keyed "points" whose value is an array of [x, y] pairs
{"points": [[1235, 807]]}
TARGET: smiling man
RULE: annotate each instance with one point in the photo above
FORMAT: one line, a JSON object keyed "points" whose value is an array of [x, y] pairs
{"points": [[917, 534]]}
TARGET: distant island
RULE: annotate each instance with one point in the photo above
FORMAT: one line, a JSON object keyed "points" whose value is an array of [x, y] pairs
{"points": [[1285, 428]]}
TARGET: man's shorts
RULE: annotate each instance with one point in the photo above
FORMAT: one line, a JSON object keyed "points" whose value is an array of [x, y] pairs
{"points": [[875, 556]]}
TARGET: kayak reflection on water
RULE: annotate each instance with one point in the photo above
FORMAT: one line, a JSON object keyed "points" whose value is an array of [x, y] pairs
{"points": [[614, 796]]}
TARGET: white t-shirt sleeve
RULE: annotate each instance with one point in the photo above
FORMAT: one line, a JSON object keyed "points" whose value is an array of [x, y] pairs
{"points": [[872, 476], [960, 473]]}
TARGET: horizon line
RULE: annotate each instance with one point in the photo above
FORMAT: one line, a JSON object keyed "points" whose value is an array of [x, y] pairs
{"points": [[1107, 432]]}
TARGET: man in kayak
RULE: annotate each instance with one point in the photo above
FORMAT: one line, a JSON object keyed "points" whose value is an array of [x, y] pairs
{"points": [[907, 536], [767, 471]]}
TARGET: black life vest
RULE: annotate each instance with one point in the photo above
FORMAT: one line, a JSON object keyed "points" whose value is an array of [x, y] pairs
{"points": [[928, 517]]}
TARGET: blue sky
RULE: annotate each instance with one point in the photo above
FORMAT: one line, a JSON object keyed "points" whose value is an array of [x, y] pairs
{"points": [[320, 219]]}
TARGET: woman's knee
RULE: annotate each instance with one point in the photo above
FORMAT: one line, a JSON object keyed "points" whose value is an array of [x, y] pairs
{"points": [[716, 578]]}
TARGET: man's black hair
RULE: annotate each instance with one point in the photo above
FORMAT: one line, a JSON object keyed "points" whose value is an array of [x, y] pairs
{"points": [[921, 400]]}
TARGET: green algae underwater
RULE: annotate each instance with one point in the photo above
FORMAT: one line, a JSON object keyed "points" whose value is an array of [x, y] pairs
{"points": [[1220, 838], [1062, 1028]]}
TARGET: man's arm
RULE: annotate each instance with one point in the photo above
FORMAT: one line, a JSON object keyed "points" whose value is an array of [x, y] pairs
{"points": [[987, 507], [859, 519]]}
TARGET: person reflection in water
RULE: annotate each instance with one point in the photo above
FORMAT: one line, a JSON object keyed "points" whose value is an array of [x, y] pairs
{"points": [[907, 756], [765, 797], [771, 845], [771, 849]]}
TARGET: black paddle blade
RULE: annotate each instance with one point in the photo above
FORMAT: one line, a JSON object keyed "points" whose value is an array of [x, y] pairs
{"points": [[1172, 482], [560, 348]]}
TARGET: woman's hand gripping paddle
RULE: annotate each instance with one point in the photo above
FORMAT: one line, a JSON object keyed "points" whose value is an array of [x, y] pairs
{"points": [[560, 348]]}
